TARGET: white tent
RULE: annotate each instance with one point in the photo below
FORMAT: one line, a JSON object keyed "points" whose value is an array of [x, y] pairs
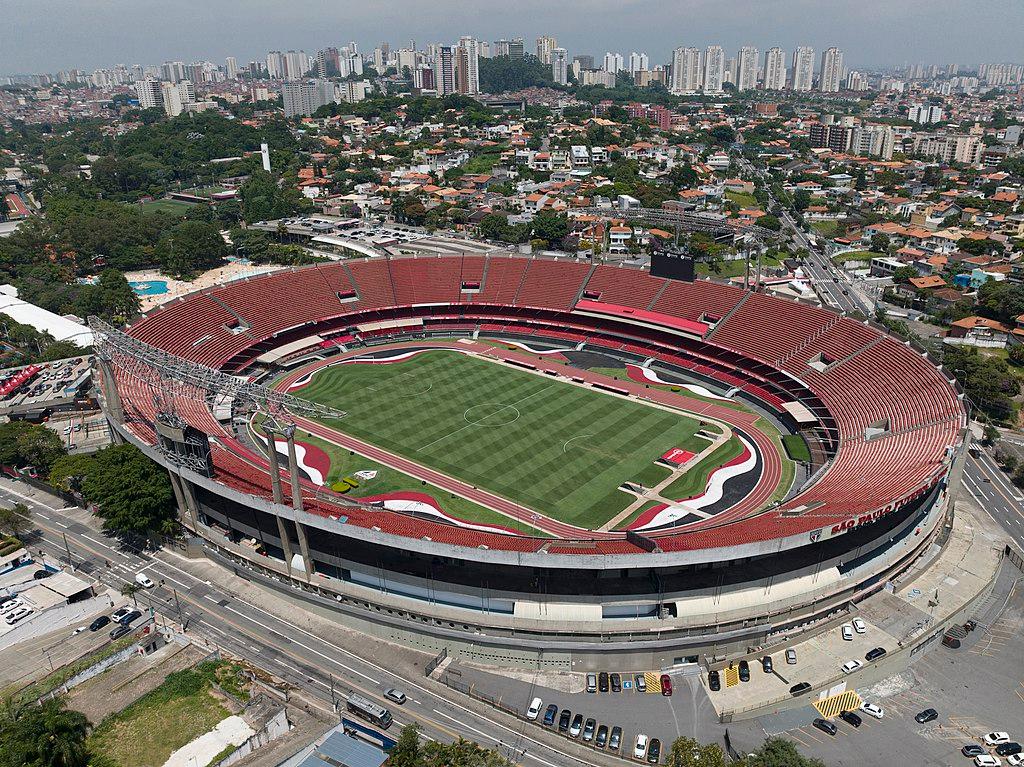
{"points": [[61, 328]]}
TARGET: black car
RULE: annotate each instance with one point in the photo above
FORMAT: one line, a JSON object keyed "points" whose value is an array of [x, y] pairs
{"points": [[800, 689], [850, 718], [602, 681], [654, 751], [928, 715], [616, 683], [127, 618], [714, 682], [875, 654], [99, 623], [1008, 749], [766, 664], [549, 715], [972, 750], [38, 575], [564, 719], [825, 726], [744, 671], [7, 598], [120, 631], [602, 736]]}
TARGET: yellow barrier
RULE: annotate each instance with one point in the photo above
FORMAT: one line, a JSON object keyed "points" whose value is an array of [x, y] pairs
{"points": [[834, 705]]}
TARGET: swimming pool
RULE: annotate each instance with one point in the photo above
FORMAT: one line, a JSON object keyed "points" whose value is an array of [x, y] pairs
{"points": [[149, 288]]}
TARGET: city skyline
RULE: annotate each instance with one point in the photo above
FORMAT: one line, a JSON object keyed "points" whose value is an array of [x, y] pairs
{"points": [[109, 36]]}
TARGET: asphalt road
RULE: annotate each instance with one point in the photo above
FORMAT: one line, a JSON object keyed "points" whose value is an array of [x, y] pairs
{"points": [[303, 658], [996, 494]]}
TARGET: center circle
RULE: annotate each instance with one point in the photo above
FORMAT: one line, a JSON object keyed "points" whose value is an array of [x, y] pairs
{"points": [[491, 414]]}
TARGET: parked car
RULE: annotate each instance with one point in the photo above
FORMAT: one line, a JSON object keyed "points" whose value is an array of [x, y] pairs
{"points": [[39, 575], [928, 715], [119, 613], [397, 696], [616, 683], [589, 728], [987, 760], [576, 727], [615, 739], [1008, 749], [654, 751], [744, 671], [666, 685], [800, 689], [641, 682], [17, 615], [851, 665], [1015, 760], [640, 747], [128, 617], [591, 682], [995, 738], [859, 626], [850, 718], [602, 681], [874, 654], [872, 710], [564, 719], [549, 715], [602, 736], [11, 605], [99, 623], [714, 681], [791, 656], [766, 664], [972, 750], [120, 631], [847, 632], [825, 726], [532, 712]]}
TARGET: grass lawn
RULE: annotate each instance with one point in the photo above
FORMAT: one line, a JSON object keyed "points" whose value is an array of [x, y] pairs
{"points": [[174, 207], [481, 163], [737, 267], [695, 479], [827, 228], [796, 447], [857, 255], [747, 201], [788, 467], [546, 444], [633, 517], [344, 463], [148, 731], [620, 373]]}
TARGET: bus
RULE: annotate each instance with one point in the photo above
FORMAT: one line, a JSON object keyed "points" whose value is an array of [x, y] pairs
{"points": [[369, 711]]}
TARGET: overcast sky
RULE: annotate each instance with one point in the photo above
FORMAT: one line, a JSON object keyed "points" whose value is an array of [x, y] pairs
{"points": [[49, 35]]}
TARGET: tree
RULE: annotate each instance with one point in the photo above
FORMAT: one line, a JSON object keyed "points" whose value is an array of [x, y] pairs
{"points": [[550, 226], [880, 242], [264, 200], [130, 492], [28, 444], [503, 73], [779, 752], [903, 274], [43, 736], [190, 247], [1016, 354], [130, 590], [801, 200], [990, 435], [722, 135], [406, 752], [770, 222], [16, 520], [687, 752]]}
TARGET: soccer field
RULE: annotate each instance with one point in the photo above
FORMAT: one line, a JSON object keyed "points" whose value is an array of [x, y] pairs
{"points": [[550, 445]]}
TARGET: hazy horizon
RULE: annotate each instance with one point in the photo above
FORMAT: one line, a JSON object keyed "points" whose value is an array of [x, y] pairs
{"points": [[51, 35]]}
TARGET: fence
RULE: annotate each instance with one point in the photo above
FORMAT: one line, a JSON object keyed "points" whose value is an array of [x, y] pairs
{"points": [[436, 661]]}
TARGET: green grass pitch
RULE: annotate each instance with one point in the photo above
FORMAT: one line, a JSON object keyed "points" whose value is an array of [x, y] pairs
{"points": [[546, 444]]}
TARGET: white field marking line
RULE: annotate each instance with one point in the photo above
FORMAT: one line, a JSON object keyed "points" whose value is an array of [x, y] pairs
{"points": [[565, 447], [465, 415], [471, 425], [408, 683]]}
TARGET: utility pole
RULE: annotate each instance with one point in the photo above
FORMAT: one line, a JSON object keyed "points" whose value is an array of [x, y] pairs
{"points": [[67, 546], [177, 604]]}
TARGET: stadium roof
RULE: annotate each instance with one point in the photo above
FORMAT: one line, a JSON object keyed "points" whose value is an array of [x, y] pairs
{"points": [[61, 328]]}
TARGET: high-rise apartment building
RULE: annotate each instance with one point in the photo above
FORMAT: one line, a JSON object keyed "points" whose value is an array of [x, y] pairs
{"points": [[714, 69], [516, 48], [560, 66], [467, 66], [423, 77], [545, 47], [803, 68], [231, 68], [150, 93], [303, 98], [613, 63], [775, 69], [444, 69], [747, 63], [638, 62], [586, 61], [830, 79], [275, 65], [686, 71]]}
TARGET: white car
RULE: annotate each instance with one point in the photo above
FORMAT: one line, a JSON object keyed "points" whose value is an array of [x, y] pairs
{"points": [[13, 617], [534, 710], [11, 606], [640, 749], [1015, 760], [859, 626], [872, 710], [143, 580], [996, 738], [847, 632], [120, 612], [987, 760], [851, 665]]}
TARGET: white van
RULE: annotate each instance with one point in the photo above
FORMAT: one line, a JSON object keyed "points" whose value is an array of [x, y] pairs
{"points": [[143, 580]]}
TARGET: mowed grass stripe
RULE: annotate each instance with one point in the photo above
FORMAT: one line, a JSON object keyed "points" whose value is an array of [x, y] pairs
{"points": [[418, 408]]}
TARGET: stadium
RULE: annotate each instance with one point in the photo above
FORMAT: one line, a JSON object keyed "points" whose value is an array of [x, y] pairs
{"points": [[537, 461]]}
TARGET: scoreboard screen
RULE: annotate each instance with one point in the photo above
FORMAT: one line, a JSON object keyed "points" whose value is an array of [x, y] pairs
{"points": [[673, 264]]}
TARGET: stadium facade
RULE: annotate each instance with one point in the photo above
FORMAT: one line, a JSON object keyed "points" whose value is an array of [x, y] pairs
{"points": [[885, 428]]}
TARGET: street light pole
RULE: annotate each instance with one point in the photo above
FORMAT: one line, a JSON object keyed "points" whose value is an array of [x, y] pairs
{"points": [[67, 546]]}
